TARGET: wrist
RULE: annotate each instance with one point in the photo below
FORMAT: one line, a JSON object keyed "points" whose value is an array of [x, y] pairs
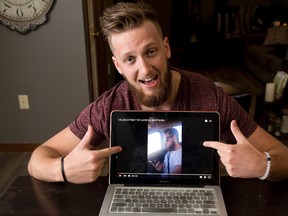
{"points": [[57, 171], [268, 166], [57, 175], [63, 169]]}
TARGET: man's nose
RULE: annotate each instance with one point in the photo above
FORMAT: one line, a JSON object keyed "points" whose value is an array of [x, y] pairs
{"points": [[143, 66]]}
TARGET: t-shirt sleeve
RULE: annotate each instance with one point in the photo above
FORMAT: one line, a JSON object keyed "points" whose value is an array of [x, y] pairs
{"points": [[230, 110], [98, 112], [88, 117], [178, 158], [206, 96]]}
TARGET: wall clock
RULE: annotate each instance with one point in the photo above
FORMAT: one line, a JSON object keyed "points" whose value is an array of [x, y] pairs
{"points": [[24, 15]]}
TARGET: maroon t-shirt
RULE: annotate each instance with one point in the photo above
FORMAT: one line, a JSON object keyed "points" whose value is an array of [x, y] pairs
{"points": [[196, 93]]}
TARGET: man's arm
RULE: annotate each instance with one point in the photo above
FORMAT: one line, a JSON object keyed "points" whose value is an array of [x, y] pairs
{"points": [[81, 164], [246, 159], [177, 169], [264, 141]]}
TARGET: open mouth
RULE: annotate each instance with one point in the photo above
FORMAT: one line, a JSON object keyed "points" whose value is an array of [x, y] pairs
{"points": [[150, 82]]}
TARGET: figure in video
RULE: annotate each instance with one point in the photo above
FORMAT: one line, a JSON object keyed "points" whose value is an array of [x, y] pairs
{"points": [[173, 158]]}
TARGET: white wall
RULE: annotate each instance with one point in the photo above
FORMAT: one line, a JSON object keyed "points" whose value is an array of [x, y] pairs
{"points": [[49, 65]]}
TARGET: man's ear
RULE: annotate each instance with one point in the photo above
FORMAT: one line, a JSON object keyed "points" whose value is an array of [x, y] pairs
{"points": [[116, 64], [174, 138], [167, 47]]}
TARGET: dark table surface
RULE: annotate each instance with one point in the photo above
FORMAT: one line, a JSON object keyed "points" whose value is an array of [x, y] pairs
{"points": [[28, 196]]}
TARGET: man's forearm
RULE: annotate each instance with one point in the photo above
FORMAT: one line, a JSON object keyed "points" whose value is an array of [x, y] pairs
{"points": [[279, 166], [45, 164]]}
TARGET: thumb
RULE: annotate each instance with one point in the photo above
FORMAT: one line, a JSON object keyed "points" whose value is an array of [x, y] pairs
{"points": [[85, 142], [240, 138]]}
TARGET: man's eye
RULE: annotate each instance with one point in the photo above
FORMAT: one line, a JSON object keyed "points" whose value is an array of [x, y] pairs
{"points": [[151, 52], [129, 59]]}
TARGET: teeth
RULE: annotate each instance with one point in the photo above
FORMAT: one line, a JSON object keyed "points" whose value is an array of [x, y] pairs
{"points": [[150, 79]]}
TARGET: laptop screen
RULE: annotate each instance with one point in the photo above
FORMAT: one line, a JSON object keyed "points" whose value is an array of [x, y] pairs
{"points": [[164, 148]]}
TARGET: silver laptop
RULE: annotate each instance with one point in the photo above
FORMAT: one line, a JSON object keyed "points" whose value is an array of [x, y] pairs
{"points": [[164, 168]]}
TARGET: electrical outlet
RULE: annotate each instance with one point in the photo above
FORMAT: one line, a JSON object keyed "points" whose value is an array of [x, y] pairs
{"points": [[23, 102]]}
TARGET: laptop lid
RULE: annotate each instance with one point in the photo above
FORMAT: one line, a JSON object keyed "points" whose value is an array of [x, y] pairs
{"points": [[141, 135]]}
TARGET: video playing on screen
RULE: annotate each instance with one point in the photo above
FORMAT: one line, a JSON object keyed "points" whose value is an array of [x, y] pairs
{"points": [[163, 146]]}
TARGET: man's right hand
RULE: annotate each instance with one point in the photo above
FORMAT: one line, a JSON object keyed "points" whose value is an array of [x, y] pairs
{"points": [[83, 165], [159, 166]]}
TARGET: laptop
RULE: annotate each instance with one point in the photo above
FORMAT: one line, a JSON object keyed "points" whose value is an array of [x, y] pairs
{"points": [[139, 181]]}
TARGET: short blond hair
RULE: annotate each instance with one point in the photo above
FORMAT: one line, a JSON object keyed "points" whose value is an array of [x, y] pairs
{"points": [[123, 16]]}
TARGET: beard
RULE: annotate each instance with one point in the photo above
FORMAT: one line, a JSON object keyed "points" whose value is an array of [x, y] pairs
{"points": [[159, 96], [171, 147]]}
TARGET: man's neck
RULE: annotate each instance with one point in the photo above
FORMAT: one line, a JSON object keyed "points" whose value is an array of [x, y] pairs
{"points": [[168, 104], [177, 146]]}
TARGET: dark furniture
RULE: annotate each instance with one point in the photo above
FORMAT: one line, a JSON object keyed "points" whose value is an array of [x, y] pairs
{"points": [[260, 60], [244, 34], [28, 196], [243, 97]]}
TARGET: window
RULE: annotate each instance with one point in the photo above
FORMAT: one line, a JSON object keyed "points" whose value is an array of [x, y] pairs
{"points": [[154, 142]]}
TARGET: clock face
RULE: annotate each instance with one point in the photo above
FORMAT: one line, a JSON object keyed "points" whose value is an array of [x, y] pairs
{"points": [[24, 15]]}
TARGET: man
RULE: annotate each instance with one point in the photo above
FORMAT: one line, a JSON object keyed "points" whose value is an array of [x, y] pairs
{"points": [[141, 54], [173, 158]]}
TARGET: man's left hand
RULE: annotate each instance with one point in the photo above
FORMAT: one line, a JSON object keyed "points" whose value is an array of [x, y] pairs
{"points": [[241, 159]]}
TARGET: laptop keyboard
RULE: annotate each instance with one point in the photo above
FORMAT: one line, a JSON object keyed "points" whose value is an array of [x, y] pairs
{"points": [[159, 200]]}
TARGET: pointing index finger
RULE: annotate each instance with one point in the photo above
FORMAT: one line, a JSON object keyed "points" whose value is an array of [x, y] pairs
{"points": [[106, 152], [216, 145]]}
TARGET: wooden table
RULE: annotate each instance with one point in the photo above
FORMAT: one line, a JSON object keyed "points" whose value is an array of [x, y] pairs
{"points": [[28, 196]]}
